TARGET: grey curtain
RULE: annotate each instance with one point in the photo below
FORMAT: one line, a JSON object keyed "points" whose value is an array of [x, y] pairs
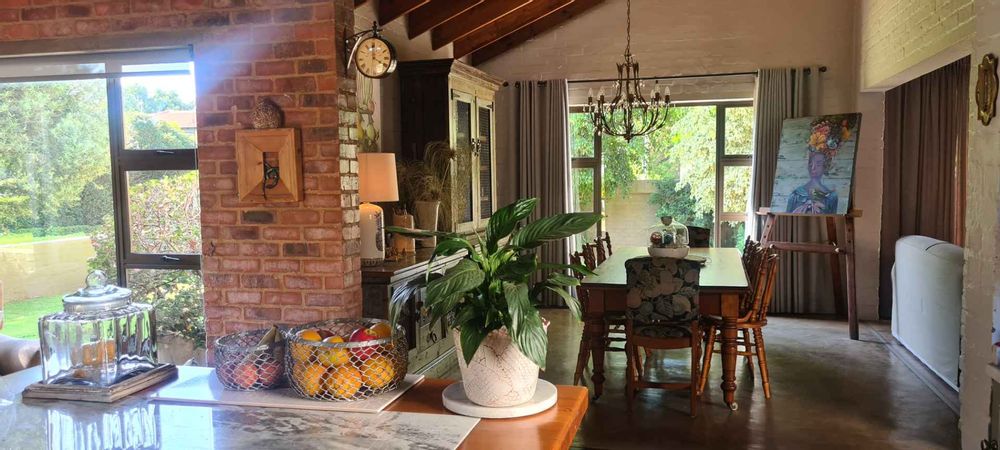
{"points": [[533, 153], [805, 285], [923, 169]]}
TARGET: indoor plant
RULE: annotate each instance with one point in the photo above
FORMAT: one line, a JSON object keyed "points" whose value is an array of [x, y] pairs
{"points": [[425, 186], [490, 299]]}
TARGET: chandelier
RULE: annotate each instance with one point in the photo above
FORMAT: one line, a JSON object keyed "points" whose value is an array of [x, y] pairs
{"points": [[629, 114]]}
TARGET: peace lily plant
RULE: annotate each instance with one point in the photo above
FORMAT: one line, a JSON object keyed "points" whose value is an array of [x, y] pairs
{"points": [[491, 288]]}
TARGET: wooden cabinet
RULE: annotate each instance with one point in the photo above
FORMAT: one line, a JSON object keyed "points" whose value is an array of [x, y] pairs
{"points": [[432, 349], [447, 100]]}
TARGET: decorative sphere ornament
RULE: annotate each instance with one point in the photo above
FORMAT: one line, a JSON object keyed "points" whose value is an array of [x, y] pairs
{"points": [[266, 115]]}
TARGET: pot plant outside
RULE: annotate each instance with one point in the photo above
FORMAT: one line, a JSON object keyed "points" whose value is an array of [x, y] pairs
{"points": [[491, 301]]}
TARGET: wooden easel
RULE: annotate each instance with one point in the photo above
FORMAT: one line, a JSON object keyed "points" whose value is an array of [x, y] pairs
{"points": [[831, 247]]}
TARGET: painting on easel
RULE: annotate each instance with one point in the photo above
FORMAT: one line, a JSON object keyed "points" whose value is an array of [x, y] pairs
{"points": [[815, 171]]}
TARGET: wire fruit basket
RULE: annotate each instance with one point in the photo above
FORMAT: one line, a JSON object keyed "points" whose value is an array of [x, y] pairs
{"points": [[243, 363], [351, 362]]}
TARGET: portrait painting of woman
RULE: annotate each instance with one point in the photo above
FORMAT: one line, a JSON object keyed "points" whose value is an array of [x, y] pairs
{"points": [[816, 164]]}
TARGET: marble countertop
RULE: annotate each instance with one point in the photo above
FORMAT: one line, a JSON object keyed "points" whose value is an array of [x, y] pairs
{"points": [[139, 423]]}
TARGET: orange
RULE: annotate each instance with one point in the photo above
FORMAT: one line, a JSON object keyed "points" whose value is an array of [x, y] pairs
{"points": [[377, 372], [380, 330], [343, 381], [332, 356], [310, 335], [309, 379], [98, 353], [301, 353]]}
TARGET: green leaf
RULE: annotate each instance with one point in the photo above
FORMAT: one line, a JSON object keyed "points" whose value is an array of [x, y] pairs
{"points": [[551, 228], [505, 219], [518, 270], [518, 306], [533, 341], [561, 279], [471, 337], [415, 233], [404, 294], [574, 267], [571, 302], [463, 277], [450, 245]]}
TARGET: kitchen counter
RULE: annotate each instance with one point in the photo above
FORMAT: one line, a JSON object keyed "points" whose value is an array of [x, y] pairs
{"points": [[137, 422]]}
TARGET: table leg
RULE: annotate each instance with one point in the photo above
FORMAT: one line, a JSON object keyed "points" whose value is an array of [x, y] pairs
{"points": [[730, 314], [596, 330]]}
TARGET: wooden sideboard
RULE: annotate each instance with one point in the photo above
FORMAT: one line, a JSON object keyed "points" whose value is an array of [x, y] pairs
{"points": [[432, 349]]}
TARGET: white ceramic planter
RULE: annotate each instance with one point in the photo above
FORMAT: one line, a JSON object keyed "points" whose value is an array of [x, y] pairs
{"points": [[499, 374]]}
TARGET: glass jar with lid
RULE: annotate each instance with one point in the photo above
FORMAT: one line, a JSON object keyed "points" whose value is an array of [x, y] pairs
{"points": [[99, 338], [669, 240]]}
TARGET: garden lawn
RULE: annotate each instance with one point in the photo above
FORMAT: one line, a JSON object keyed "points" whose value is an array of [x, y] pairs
{"points": [[22, 238], [21, 317]]}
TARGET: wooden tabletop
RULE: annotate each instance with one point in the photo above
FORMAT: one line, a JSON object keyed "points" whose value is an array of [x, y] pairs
{"points": [[552, 429], [723, 271]]}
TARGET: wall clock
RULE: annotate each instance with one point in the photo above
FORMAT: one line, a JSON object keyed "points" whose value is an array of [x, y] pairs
{"points": [[372, 54], [986, 89]]}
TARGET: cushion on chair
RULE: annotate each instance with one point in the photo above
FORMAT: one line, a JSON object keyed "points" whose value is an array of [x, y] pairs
{"points": [[662, 290], [664, 330], [18, 354]]}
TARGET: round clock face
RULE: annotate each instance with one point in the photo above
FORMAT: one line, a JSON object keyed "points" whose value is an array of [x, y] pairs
{"points": [[375, 57]]}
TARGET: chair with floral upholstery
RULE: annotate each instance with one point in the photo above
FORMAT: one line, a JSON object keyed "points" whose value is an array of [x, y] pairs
{"points": [[662, 314]]}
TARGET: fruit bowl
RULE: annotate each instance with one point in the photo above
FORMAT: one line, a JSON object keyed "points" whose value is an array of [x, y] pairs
{"points": [[345, 359], [242, 363]]}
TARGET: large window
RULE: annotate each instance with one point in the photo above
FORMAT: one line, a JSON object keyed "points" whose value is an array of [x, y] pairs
{"points": [[98, 170], [696, 169]]}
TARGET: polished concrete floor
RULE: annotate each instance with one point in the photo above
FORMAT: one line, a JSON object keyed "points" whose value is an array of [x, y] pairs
{"points": [[828, 392]]}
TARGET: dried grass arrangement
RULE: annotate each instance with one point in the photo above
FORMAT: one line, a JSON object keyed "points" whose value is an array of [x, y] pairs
{"points": [[426, 179]]}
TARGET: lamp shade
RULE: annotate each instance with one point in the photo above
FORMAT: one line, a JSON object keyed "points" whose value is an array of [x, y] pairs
{"points": [[377, 177]]}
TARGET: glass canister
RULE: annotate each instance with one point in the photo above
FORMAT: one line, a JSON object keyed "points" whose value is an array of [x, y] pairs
{"points": [[99, 338], [673, 234]]}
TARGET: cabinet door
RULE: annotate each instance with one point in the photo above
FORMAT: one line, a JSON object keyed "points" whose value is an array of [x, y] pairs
{"points": [[485, 159], [463, 196]]}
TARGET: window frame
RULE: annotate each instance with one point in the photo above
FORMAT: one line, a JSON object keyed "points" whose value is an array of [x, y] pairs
{"points": [[123, 160], [722, 160]]}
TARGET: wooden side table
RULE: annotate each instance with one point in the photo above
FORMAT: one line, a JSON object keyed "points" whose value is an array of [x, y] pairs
{"points": [[552, 429]]}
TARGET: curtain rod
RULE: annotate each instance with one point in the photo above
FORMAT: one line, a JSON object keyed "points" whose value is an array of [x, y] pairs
{"points": [[676, 77]]}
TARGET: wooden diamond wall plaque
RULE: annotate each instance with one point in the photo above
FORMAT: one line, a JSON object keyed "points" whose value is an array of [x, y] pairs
{"points": [[268, 165]]}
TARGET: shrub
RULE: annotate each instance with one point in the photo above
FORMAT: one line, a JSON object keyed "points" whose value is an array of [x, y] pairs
{"points": [[166, 210]]}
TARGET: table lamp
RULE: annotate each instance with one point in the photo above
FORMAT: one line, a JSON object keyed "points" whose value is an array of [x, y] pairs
{"points": [[376, 183]]}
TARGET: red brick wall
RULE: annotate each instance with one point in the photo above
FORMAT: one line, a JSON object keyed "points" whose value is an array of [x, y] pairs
{"points": [[262, 263]]}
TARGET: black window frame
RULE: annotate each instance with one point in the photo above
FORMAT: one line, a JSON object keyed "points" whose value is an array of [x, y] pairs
{"points": [[722, 160], [123, 160]]}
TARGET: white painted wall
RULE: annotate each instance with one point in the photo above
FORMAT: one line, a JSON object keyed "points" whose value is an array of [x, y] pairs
{"points": [[981, 296]]}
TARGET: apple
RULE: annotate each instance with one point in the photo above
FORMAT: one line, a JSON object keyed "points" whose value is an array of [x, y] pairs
{"points": [[244, 375], [361, 335], [269, 374]]}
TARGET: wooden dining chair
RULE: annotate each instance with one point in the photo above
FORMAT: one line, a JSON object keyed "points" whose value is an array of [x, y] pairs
{"points": [[699, 237], [753, 318], [613, 328], [662, 313], [603, 249]]}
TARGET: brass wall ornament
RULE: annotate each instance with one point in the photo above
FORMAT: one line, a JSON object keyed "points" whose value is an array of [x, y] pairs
{"points": [[986, 89]]}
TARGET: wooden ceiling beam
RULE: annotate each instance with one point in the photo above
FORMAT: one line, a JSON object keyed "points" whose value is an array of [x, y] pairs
{"points": [[531, 30], [389, 10], [435, 13], [505, 25], [472, 20]]}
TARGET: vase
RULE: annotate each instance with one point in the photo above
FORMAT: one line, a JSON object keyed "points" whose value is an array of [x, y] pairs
{"points": [[402, 244], [427, 219], [499, 375]]}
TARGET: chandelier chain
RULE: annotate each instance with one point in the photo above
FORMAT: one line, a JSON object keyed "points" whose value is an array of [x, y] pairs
{"points": [[628, 27]]}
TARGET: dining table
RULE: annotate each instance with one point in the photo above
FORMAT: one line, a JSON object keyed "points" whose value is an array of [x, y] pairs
{"points": [[723, 281]]}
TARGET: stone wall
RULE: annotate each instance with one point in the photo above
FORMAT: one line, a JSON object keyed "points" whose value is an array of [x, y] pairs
{"points": [[262, 263]]}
